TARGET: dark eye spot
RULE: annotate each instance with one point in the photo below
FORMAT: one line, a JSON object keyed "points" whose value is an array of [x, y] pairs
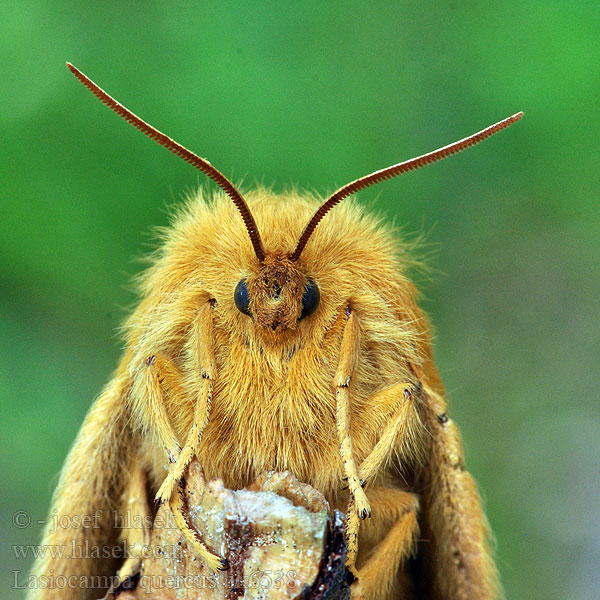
{"points": [[310, 299], [241, 297]]}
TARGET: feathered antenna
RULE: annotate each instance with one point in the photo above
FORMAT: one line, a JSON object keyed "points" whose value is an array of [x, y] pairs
{"points": [[179, 150], [394, 171]]}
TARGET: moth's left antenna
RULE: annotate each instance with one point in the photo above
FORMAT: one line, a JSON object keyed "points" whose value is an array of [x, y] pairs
{"points": [[179, 150]]}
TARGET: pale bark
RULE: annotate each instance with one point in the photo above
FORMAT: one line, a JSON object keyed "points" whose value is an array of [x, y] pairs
{"points": [[279, 537]]}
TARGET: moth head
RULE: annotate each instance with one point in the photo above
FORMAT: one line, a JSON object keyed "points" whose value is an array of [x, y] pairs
{"points": [[279, 295]]}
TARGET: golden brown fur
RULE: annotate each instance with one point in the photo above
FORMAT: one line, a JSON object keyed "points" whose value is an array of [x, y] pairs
{"points": [[270, 395]]}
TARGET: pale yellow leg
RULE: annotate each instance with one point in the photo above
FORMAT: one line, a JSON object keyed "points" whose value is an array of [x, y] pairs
{"points": [[400, 432], [208, 558], [402, 428], [343, 375], [136, 519], [352, 529], [401, 397], [164, 379], [202, 350], [378, 577]]}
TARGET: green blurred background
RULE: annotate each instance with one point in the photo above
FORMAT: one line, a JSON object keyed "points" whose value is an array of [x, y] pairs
{"points": [[317, 94]]}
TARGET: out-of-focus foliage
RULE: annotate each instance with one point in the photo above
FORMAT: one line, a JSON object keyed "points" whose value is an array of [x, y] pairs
{"points": [[316, 94]]}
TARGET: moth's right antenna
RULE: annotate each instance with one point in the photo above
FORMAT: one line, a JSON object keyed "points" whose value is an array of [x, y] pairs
{"points": [[394, 171], [179, 150]]}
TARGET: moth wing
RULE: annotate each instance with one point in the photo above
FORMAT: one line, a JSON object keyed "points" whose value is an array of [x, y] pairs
{"points": [[81, 527], [454, 554]]}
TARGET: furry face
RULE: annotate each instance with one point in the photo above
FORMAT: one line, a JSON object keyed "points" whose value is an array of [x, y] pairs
{"points": [[281, 375]]}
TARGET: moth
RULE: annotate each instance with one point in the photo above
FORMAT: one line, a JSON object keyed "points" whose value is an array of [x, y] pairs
{"points": [[287, 339]]}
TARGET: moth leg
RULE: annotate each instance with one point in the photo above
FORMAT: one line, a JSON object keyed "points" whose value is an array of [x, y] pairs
{"points": [[137, 521], [397, 526], [161, 378], [342, 378], [203, 355], [398, 398], [359, 505], [165, 379], [352, 528], [401, 430], [209, 558], [177, 470]]}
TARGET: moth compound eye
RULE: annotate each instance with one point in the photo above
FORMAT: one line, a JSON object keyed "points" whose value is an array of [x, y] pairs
{"points": [[241, 297], [310, 299]]}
